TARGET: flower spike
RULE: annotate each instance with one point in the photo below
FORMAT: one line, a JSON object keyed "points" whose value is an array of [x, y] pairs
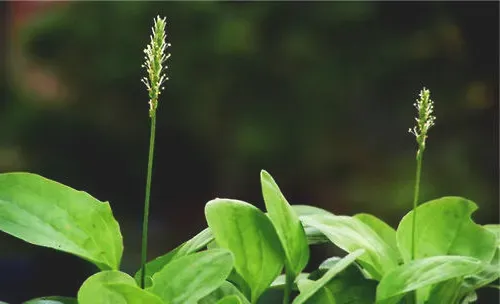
{"points": [[154, 60]]}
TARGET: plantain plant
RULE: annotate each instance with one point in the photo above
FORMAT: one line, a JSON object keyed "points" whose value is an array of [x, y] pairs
{"points": [[439, 256]]}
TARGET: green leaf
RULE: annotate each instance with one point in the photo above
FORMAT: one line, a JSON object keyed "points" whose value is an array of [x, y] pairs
{"points": [[488, 274], [195, 244], [46, 213], [321, 296], [386, 232], [422, 273], [314, 236], [192, 277], [350, 286], [445, 292], [332, 272], [279, 282], [287, 225], [495, 228], [250, 235], [444, 227], [114, 287], [305, 210], [51, 300], [469, 298], [351, 234], [230, 300], [493, 286], [225, 290], [238, 281]]}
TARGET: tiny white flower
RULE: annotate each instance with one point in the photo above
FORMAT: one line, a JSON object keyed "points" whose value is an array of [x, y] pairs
{"points": [[154, 60], [425, 119]]}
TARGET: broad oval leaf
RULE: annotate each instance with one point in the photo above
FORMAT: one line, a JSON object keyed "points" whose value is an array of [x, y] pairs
{"points": [[287, 225], [46, 213], [195, 244], [350, 234], [221, 293], [114, 287], [190, 278], [330, 274], [444, 227], [250, 235], [51, 300], [423, 273]]}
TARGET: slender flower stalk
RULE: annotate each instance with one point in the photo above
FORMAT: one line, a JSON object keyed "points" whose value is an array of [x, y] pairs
{"points": [[425, 120], [155, 58]]}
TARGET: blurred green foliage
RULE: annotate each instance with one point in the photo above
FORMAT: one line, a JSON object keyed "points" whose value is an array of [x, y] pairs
{"points": [[319, 94]]}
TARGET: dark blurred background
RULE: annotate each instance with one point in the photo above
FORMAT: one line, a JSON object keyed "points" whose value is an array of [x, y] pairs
{"points": [[319, 94]]}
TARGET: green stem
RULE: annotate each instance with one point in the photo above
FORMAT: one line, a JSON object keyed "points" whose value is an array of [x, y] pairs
{"points": [[288, 287], [146, 202], [415, 202]]}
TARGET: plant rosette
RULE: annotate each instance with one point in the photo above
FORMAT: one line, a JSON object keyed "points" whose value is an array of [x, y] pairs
{"points": [[437, 254]]}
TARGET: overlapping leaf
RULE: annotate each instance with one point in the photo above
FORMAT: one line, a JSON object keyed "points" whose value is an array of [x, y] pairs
{"points": [[332, 272], [321, 296], [223, 292], [188, 279], [444, 227], [114, 287], [287, 224], [423, 273], [350, 234], [249, 234], [386, 232], [350, 285], [195, 244]]}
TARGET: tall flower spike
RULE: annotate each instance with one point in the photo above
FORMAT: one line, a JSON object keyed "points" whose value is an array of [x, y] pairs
{"points": [[425, 119], [155, 58]]}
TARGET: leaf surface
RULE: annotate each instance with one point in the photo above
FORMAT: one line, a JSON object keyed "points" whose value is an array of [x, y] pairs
{"points": [[350, 285], [46, 213], [190, 278], [351, 234], [423, 273], [305, 210], [225, 290], [287, 224], [321, 296], [444, 227], [51, 300], [249, 234], [327, 277], [386, 232], [230, 300], [114, 287], [195, 244]]}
